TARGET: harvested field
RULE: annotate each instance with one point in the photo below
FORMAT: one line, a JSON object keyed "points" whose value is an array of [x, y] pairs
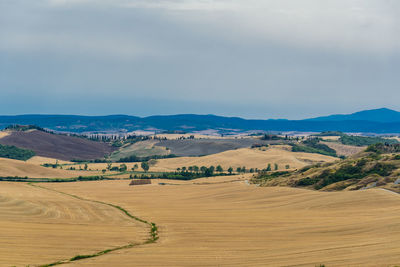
{"points": [[40, 226], [234, 224], [250, 158], [57, 146], [12, 167], [201, 147], [344, 150], [38, 160], [330, 138]]}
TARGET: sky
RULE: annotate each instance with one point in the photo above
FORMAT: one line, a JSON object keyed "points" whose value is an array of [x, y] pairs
{"points": [[259, 59]]}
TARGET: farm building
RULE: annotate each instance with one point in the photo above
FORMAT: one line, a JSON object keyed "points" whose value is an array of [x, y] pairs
{"points": [[140, 181]]}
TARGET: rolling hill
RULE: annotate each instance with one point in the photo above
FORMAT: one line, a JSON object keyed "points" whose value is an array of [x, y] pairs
{"points": [[376, 115], [372, 121], [377, 166], [57, 146]]}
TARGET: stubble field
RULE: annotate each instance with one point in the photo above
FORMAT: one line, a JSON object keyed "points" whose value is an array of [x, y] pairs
{"points": [[236, 224], [40, 226]]}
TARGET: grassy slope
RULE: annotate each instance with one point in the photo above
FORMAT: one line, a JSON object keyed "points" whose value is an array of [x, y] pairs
{"points": [[359, 171]]}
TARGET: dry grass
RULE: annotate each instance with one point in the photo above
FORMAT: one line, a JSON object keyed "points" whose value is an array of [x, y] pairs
{"points": [[11, 167], [344, 150], [38, 160], [234, 224], [40, 226], [251, 158], [331, 138]]}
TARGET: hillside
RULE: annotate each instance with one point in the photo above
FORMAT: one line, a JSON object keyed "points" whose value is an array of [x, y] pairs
{"points": [[376, 115], [12, 168], [201, 147], [377, 166], [57, 146], [249, 158], [370, 121], [235, 224]]}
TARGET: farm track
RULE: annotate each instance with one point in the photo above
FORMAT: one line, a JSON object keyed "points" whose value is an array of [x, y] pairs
{"points": [[153, 232]]}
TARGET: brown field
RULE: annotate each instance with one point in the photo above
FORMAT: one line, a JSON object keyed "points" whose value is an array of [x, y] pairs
{"points": [[12, 167], [235, 224], [57, 146], [250, 158], [41, 226]]}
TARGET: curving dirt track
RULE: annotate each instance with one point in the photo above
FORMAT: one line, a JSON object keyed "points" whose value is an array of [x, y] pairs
{"points": [[40, 226], [234, 224]]}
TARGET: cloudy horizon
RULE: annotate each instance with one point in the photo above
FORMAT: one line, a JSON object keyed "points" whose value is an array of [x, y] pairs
{"points": [[253, 59]]}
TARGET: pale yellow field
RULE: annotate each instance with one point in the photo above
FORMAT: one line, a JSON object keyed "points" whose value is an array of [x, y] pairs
{"points": [[11, 167], [331, 138], [39, 226], [235, 224], [3, 134], [250, 158], [38, 160]]}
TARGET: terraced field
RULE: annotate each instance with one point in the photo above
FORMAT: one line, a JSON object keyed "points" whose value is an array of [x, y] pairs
{"points": [[40, 226], [235, 224]]}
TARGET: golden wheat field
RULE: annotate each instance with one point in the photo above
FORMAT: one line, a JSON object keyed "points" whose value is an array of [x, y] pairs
{"points": [[250, 158], [236, 224], [11, 167], [38, 160], [41, 226]]}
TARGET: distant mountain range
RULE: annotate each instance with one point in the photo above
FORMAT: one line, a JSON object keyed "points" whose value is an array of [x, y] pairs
{"points": [[368, 121]]}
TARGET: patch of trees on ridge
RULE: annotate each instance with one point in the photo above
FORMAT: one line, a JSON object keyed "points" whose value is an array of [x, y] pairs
{"points": [[13, 152], [313, 145]]}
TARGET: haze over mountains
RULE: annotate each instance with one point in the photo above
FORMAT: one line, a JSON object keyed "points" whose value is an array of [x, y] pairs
{"points": [[369, 121]]}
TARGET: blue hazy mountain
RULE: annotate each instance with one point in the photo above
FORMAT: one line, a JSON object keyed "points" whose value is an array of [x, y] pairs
{"points": [[376, 115], [368, 121]]}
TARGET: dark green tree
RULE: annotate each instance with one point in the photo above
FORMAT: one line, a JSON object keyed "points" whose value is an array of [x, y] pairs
{"points": [[145, 166], [219, 168]]}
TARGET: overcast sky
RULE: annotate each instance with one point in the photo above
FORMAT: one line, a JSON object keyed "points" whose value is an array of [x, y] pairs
{"points": [[248, 58]]}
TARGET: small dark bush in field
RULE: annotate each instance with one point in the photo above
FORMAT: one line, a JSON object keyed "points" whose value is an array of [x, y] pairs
{"points": [[307, 181]]}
